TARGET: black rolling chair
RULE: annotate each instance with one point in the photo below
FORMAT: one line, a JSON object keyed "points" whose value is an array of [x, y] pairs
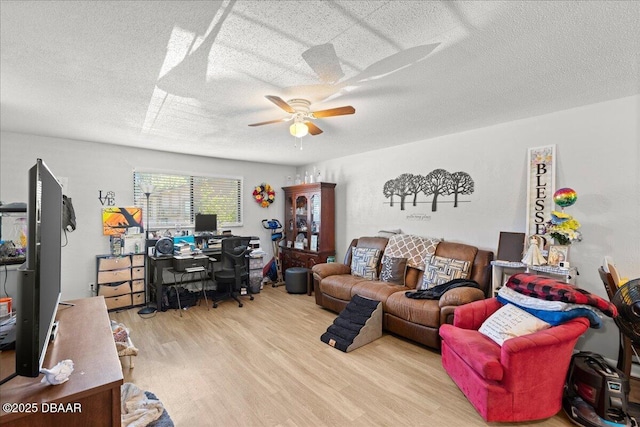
{"points": [[234, 275]]}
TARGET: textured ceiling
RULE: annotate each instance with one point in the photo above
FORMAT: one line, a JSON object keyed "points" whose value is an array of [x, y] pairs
{"points": [[189, 76]]}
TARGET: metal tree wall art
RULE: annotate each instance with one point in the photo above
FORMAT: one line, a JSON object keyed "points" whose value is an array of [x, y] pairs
{"points": [[461, 183], [436, 183]]}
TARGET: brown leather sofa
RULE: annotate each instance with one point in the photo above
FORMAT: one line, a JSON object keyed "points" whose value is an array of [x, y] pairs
{"points": [[415, 319]]}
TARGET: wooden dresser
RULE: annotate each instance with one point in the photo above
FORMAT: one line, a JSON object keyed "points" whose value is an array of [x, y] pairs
{"points": [[91, 397]]}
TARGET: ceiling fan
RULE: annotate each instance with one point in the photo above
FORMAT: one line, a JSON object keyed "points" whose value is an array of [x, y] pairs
{"points": [[301, 116]]}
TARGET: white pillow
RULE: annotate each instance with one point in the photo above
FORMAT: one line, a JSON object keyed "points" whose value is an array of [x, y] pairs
{"points": [[510, 322]]}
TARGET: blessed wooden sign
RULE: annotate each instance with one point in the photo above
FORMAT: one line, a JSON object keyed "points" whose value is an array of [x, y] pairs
{"points": [[541, 183]]}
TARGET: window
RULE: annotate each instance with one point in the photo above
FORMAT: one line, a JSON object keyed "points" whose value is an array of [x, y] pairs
{"points": [[176, 199]]}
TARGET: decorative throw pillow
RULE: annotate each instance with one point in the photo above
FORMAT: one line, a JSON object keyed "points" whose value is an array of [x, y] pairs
{"points": [[510, 321], [393, 270], [441, 270], [364, 262]]}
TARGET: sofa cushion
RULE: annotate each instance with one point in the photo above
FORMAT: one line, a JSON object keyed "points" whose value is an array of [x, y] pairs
{"points": [[509, 322], [364, 262], [393, 270], [420, 311], [339, 286], [441, 270], [416, 249], [377, 290], [477, 351]]}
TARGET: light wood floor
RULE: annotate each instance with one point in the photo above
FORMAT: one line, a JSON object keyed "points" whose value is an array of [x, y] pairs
{"points": [[264, 365]]}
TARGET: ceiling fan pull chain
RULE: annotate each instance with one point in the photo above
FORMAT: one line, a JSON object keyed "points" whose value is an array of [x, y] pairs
{"points": [[296, 140]]}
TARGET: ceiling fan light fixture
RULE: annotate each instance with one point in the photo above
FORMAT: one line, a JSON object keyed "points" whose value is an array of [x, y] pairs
{"points": [[299, 130]]}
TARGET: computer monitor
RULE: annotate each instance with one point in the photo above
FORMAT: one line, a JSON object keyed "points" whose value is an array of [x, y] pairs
{"points": [[206, 223]]}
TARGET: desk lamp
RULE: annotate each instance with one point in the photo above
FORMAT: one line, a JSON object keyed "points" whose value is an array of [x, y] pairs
{"points": [[147, 189]]}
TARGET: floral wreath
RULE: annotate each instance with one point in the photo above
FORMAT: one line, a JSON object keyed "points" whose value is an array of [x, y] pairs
{"points": [[264, 195]]}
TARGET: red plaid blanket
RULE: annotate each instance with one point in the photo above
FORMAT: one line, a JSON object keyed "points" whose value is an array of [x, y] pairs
{"points": [[548, 289]]}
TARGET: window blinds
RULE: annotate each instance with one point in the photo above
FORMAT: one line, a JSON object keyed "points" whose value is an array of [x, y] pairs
{"points": [[176, 199]]}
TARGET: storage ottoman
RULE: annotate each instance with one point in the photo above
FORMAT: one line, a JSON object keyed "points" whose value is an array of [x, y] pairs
{"points": [[296, 280]]}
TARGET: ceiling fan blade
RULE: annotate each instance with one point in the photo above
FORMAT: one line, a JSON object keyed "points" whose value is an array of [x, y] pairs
{"points": [[313, 129], [281, 103], [340, 111], [268, 122]]}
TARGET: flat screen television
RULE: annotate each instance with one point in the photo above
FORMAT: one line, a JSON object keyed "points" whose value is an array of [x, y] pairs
{"points": [[206, 223], [39, 278]]}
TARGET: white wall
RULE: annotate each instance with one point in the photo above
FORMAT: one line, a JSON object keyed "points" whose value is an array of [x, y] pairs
{"points": [[598, 156], [91, 167]]}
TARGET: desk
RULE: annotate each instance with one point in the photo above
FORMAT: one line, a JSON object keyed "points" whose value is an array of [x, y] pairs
{"points": [[84, 336], [157, 265]]}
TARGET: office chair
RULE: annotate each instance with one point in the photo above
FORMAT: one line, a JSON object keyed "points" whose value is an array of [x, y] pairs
{"points": [[235, 269]]}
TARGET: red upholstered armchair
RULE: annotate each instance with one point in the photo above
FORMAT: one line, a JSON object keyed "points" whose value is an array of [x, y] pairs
{"points": [[522, 380]]}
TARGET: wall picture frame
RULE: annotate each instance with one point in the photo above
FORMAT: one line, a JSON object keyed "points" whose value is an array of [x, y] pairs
{"points": [[558, 254], [511, 246], [121, 220]]}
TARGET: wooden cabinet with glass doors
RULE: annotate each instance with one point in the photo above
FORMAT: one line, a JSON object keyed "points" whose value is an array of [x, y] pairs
{"points": [[309, 224]]}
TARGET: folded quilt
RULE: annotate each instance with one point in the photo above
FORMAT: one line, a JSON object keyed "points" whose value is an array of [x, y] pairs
{"points": [[537, 303], [418, 250], [556, 317], [546, 288]]}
